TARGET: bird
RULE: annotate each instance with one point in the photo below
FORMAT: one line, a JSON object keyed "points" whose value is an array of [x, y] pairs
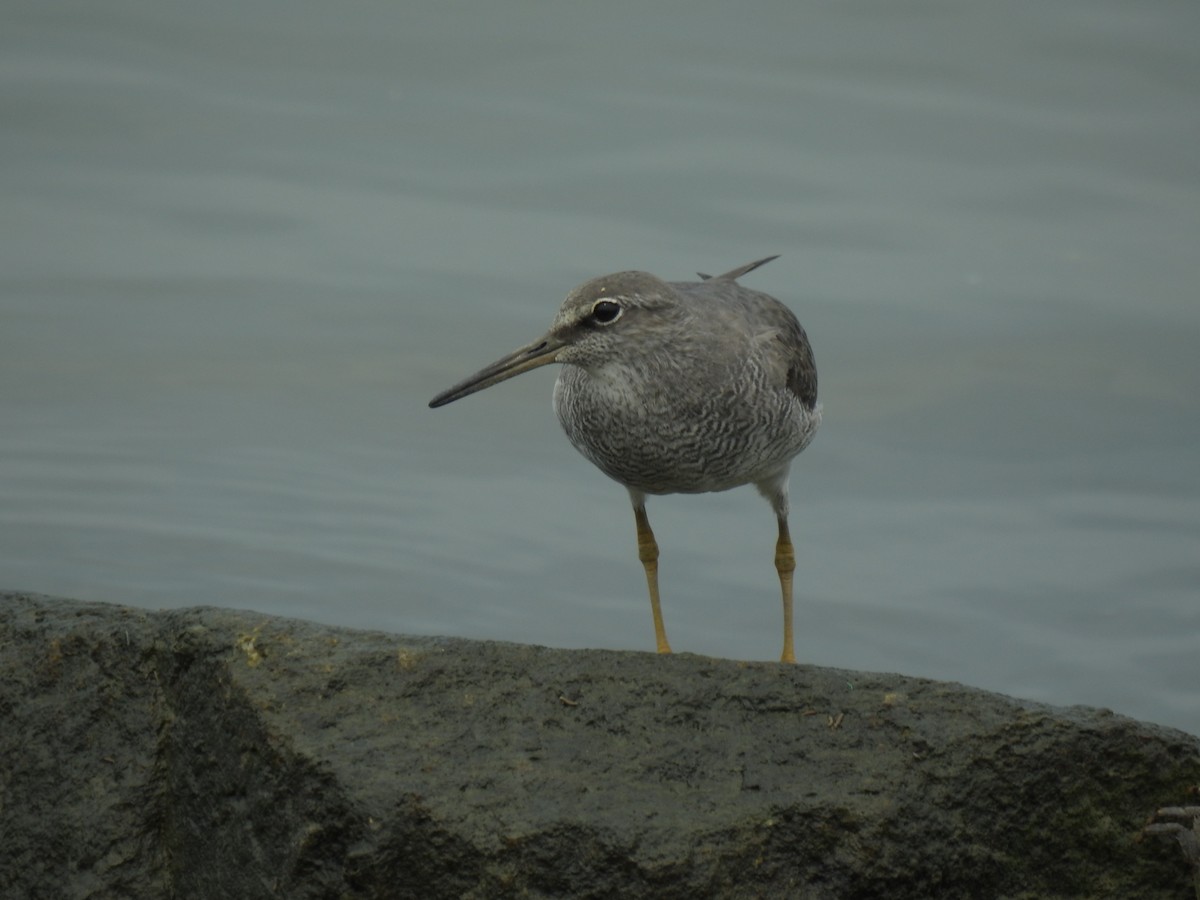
{"points": [[678, 388]]}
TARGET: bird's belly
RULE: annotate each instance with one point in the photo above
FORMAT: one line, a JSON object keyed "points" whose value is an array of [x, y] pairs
{"points": [[658, 445]]}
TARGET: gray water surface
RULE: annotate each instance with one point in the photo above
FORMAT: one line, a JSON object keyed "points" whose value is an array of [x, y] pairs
{"points": [[242, 245]]}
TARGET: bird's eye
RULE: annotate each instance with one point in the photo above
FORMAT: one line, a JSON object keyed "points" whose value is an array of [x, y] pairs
{"points": [[606, 312]]}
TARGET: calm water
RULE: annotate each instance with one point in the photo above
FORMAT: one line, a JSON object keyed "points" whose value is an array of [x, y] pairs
{"points": [[241, 246]]}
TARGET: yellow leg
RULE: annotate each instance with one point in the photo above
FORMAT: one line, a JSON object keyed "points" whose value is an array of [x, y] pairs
{"points": [[648, 554], [785, 565]]}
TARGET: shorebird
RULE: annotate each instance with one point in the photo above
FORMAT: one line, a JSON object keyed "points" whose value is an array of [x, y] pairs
{"points": [[678, 388]]}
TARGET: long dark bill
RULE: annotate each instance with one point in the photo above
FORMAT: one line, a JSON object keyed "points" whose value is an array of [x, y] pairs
{"points": [[540, 353]]}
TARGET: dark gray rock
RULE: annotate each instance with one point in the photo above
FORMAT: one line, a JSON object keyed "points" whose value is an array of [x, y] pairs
{"points": [[214, 753]]}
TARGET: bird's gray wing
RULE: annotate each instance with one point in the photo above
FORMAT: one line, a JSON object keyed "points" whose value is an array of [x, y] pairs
{"points": [[802, 373], [764, 320], [792, 353]]}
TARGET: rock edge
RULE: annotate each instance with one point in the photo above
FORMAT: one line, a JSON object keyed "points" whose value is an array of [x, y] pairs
{"points": [[217, 753]]}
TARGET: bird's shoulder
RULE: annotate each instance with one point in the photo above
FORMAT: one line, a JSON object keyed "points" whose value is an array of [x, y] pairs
{"points": [[766, 326]]}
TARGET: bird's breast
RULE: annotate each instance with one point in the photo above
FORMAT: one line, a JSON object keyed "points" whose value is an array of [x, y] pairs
{"points": [[680, 432]]}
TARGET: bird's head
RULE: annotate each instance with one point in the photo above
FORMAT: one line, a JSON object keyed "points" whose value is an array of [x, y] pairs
{"points": [[603, 319]]}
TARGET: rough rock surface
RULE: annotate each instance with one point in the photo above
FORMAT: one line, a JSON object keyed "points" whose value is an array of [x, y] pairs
{"points": [[211, 753]]}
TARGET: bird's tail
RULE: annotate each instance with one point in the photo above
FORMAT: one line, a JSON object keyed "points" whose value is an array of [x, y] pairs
{"points": [[735, 274]]}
